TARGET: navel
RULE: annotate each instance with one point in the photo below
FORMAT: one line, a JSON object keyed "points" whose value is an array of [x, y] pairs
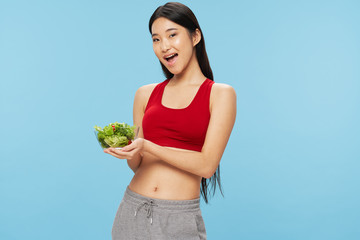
{"points": [[155, 189]]}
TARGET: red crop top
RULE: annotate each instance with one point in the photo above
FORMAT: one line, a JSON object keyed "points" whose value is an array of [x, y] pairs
{"points": [[180, 128]]}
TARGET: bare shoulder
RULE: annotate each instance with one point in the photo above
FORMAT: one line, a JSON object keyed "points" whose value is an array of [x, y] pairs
{"points": [[223, 100], [222, 95], [220, 90], [142, 95], [144, 92], [146, 89]]}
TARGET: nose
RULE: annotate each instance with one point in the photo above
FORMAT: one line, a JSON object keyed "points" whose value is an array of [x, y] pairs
{"points": [[165, 46]]}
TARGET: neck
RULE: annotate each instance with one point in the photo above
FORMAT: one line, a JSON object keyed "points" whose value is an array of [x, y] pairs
{"points": [[192, 74]]}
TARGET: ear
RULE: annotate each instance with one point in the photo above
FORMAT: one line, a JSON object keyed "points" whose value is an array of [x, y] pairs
{"points": [[196, 36]]}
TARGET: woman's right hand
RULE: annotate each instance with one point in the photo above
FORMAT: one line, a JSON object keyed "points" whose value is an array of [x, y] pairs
{"points": [[128, 152]]}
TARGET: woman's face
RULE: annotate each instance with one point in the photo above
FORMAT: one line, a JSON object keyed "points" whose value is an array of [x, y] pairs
{"points": [[172, 44]]}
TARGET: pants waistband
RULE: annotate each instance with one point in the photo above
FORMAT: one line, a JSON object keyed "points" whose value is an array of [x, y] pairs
{"points": [[137, 199]]}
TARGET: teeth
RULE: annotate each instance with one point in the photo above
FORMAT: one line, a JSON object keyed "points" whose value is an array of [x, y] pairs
{"points": [[170, 55]]}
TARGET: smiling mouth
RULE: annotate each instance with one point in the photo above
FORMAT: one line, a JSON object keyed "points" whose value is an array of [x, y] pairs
{"points": [[171, 57]]}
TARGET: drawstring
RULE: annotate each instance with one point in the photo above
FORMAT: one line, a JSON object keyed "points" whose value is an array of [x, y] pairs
{"points": [[149, 204]]}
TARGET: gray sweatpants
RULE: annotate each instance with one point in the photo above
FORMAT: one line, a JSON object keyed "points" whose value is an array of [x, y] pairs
{"points": [[141, 218]]}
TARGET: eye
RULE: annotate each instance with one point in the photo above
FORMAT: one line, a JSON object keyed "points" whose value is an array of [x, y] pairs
{"points": [[172, 35], [155, 40]]}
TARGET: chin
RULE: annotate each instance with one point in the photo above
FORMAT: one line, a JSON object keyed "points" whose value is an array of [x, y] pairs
{"points": [[176, 71]]}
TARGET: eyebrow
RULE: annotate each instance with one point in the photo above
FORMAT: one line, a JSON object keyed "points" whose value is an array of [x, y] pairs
{"points": [[167, 30]]}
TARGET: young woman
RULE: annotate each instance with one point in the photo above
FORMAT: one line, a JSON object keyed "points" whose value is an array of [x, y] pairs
{"points": [[185, 122]]}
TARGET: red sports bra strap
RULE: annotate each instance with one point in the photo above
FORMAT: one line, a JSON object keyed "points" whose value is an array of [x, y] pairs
{"points": [[203, 94], [156, 94]]}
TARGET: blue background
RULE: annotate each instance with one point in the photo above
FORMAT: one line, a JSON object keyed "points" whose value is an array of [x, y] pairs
{"points": [[290, 169]]}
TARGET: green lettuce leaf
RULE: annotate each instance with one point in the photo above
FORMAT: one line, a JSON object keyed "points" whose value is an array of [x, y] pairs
{"points": [[116, 141], [115, 134]]}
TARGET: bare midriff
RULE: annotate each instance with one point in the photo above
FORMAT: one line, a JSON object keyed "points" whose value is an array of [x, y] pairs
{"points": [[157, 179]]}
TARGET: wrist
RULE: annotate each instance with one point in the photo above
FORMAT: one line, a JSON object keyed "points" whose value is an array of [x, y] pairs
{"points": [[144, 146]]}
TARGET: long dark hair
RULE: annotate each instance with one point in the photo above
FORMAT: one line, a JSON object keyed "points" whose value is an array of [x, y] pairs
{"points": [[182, 15]]}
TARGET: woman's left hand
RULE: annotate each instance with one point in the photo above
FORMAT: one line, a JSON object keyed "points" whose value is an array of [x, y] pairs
{"points": [[128, 152]]}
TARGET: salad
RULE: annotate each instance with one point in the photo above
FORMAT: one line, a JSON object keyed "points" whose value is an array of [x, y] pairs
{"points": [[115, 135]]}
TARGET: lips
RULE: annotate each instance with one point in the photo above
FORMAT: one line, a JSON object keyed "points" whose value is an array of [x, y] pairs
{"points": [[171, 58]]}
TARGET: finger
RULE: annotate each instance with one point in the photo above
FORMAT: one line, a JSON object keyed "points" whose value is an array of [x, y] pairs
{"points": [[108, 150], [115, 150], [129, 148], [117, 155]]}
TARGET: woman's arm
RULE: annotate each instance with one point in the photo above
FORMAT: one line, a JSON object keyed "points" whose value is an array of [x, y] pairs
{"points": [[140, 100], [204, 163]]}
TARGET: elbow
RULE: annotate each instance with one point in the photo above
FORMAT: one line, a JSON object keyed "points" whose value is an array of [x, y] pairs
{"points": [[207, 175], [134, 165], [208, 172], [210, 164]]}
